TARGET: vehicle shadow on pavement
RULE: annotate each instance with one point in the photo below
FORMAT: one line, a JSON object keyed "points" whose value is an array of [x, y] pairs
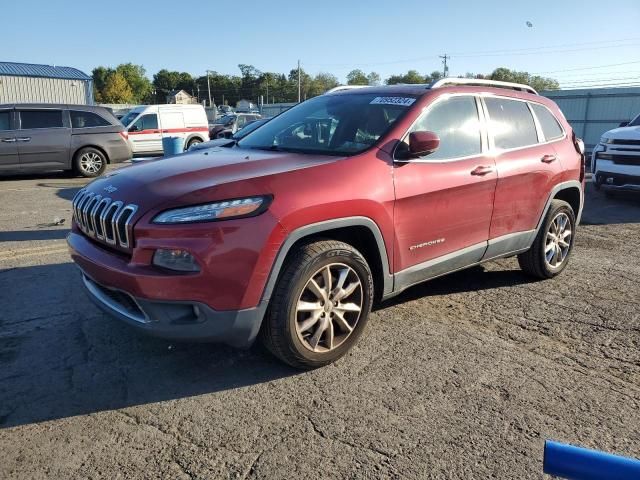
{"points": [[31, 235], [470, 280], [615, 208], [61, 357]]}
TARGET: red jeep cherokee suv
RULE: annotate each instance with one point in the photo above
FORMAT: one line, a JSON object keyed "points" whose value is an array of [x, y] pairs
{"points": [[291, 233]]}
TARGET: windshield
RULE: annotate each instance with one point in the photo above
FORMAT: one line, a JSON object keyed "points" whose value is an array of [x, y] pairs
{"points": [[129, 117], [224, 120], [635, 122], [331, 124]]}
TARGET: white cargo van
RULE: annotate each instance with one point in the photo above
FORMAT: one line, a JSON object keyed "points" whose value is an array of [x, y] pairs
{"points": [[147, 124]]}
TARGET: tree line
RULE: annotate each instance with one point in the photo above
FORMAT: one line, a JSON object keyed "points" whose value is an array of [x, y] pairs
{"points": [[128, 83]]}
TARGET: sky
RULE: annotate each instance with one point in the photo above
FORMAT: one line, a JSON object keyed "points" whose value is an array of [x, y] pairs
{"points": [[577, 42]]}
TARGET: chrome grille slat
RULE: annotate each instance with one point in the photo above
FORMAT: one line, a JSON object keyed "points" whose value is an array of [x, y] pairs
{"points": [[104, 219]]}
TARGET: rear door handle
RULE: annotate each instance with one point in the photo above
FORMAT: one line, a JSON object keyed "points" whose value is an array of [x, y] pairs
{"points": [[8, 140], [481, 170], [548, 159], [23, 139]]}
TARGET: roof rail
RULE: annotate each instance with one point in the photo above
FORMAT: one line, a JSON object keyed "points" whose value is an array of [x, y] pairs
{"points": [[482, 82], [339, 88]]}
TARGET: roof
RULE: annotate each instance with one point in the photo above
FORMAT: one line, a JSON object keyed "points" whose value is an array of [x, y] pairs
{"points": [[46, 71], [173, 93]]}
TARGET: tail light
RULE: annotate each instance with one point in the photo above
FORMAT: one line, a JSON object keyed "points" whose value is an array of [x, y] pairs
{"points": [[579, 146]]}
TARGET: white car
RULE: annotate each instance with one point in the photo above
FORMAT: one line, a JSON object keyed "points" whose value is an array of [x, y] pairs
{"points": [[615, 161], [147, 124]]}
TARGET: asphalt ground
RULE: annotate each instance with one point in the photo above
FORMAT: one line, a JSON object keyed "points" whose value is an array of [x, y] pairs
{"points": [[461, 377]]}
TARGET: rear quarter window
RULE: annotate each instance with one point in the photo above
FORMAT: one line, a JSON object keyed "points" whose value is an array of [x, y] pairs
{"points": [[550, 126], [81, 119], [511, 123]]}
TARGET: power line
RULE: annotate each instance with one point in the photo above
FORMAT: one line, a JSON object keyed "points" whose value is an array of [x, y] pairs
{"points": [[602, 80], [588, 68]]}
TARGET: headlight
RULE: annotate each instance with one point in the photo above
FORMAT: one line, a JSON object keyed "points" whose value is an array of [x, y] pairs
{"points": [[228, 209], [605, 140]]}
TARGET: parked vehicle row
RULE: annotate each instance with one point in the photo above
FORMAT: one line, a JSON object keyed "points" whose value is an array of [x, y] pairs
{"points": [[348, 198], [227, 125]]}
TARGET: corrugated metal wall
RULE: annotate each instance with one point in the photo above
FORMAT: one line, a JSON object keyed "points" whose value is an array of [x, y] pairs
{"points": [[14, 89], [591, 112]]}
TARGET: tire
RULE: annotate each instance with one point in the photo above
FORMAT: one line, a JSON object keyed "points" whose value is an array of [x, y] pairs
{"points": [[307, 337], [536, 262], [89, 162], [191, 142]]}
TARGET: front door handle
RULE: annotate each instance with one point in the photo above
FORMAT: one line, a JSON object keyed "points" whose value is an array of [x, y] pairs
{"points": [[8, 140], [548, 159], [481, 170], [23, 139]]}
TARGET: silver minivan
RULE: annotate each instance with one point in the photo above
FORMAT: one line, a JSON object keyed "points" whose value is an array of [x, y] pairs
{"points": [[78, 138]]}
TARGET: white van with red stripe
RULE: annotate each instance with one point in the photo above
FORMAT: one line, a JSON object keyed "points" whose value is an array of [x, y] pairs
{"points": [[147, 124]]}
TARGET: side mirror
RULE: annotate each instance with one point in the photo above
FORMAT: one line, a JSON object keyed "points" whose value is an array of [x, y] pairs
{"points": [[623, 124], [133, 128], [423, 143]]}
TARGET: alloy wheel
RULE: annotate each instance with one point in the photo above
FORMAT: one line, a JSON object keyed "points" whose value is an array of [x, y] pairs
{"points": [[329, 307], [90, 162], [558, 240]]}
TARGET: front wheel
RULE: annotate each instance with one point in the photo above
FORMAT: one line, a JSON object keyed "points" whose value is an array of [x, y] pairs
{"points": [[550, 251], [320, 305], [193, 141]]}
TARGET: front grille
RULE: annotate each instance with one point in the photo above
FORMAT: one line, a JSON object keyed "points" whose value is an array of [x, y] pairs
{"points": [[620, 159], [104, 219], [117, 300], [618, 141]]}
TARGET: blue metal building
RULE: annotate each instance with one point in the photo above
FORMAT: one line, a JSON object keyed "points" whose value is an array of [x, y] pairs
{"points": [[31, 83]]}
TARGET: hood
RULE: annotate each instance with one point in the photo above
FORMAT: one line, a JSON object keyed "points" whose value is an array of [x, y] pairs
{"points": [[623, 133], [151, 184]]}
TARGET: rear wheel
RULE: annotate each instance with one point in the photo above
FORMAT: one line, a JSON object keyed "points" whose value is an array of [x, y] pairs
{"points": [[320, 306], [550, 251], [89, 162]]}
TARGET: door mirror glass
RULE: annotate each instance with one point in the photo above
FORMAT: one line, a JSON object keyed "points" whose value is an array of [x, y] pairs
{"points": [[423, 143]]}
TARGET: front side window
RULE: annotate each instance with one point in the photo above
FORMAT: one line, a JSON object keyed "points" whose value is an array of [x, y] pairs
{"points": [[146, 122], [550, 126], [87, 119], [342, 124], [635, 122], [40, 119], [456, 122], [5, 120], [511, 123]]}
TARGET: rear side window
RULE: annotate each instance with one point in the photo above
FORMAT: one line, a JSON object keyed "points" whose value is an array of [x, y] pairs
{"points": [[147, 122], [550, 126], [40, 119], [511, 123], [5, 120], [456, 122], [87, 119]]}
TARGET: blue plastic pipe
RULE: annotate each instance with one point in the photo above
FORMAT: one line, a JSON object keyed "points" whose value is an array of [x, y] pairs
{"points": [[575, 463], [172, 146]]}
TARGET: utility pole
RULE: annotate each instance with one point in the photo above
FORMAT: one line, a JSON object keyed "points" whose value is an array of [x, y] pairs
{"points": [[298, 81], [445, 70], [267, 89], [209, 89]]}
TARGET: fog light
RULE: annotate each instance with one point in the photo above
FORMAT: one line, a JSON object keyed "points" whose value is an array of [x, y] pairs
{"points": [[179, 260]]}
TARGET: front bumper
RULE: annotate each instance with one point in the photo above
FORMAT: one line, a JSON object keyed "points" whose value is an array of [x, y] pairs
{"points": [[116, 291], [617, 180]]}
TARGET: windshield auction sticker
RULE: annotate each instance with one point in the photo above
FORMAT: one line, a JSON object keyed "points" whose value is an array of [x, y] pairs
{"points": [[403, 101]]}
